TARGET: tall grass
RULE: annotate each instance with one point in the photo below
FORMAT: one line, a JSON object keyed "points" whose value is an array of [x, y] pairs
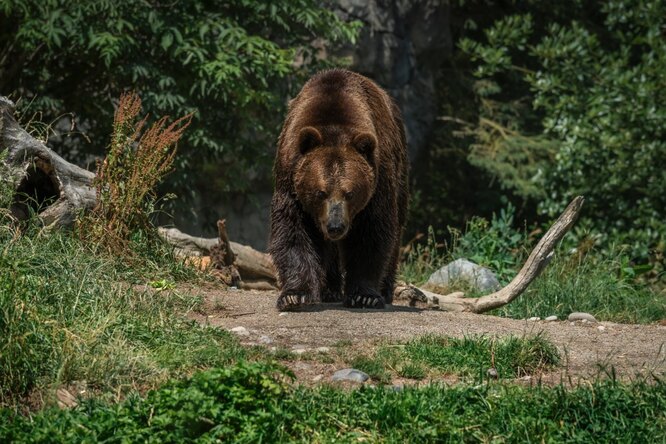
{"points": [[468, 357], [589, 283]]}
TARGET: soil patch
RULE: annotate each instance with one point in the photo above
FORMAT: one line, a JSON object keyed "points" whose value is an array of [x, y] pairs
{"points": [[589, 350]]}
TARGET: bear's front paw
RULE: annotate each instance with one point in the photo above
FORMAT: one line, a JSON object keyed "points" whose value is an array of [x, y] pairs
{"points": [[364, 299], [291, 301], [331, 296]]}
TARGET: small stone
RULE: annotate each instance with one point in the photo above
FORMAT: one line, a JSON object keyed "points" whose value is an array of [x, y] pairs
{"points": [[492, 373], [350, 374], [580, 316], [601, 328], [534, 318], [233, 288], [323, 349], [318, 378], [284, 313], [240, 331], [265, 340], [551, 318]]}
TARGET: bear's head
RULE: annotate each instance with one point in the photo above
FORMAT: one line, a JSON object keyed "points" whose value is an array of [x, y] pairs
{"points": [[335, 182]]}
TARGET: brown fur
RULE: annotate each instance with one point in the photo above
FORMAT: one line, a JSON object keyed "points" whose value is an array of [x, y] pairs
{"points": [[341, 193]]}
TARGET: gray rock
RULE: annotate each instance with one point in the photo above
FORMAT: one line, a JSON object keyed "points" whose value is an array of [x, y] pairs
{"points": [[580, 316], [479, 277], [323, 349], [551, 318], [492, 373], [350, 374], [534, 318], [240, 331]]}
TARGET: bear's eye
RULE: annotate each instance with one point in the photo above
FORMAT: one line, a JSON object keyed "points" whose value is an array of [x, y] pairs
{"points": [[321, 195], [349, 195]]}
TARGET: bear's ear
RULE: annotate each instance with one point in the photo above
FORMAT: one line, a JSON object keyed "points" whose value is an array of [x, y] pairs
{"points": [[365, 144], [308, 139]]}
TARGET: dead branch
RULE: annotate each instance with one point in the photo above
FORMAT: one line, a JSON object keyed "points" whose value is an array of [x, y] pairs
{"points": [[536, 262]]}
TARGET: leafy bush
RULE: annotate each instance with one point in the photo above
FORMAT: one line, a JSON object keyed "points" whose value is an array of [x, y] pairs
{"points": [[495, 244]]}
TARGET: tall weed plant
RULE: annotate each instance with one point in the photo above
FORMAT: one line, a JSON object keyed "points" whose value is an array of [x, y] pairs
{"points": [[135, 164]]}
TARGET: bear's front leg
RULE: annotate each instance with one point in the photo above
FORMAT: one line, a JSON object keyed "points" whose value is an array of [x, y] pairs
{"points": [[295, 252], [366, 256]]}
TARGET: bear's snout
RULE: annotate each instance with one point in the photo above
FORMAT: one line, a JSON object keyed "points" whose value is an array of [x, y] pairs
{"points": [[336, 226]]}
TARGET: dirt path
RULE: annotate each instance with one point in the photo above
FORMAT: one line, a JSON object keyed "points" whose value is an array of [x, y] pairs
{"points": [[586, 347]]}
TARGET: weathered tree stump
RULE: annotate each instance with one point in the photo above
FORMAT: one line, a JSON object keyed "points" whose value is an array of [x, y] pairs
{"points": [[44, 182]]}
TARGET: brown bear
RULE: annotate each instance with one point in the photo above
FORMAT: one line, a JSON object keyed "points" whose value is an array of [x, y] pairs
{"points": [[341, 194]]}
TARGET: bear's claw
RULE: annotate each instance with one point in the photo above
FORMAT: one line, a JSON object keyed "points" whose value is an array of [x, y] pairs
{"points": [[290, 302], [364, 301]]}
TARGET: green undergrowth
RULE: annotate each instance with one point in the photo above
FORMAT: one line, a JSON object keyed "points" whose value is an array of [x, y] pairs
{"points": [[604, 283], [588, 284], [469, 357], [255, 403], [70, 316]]}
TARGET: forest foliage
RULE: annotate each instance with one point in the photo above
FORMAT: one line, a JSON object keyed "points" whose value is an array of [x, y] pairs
{"points": [[231, 63], [539, 101]]}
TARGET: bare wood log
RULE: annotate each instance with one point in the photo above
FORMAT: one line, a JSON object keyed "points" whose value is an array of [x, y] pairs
{"points": [[536, 262], [253, 265], [59, 189]]}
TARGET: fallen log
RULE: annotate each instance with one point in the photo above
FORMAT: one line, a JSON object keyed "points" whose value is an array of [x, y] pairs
{"points": [[44, 182], [255, 268], [536, 262]]}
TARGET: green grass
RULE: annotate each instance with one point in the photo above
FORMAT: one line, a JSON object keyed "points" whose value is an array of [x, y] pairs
{"points": [[253, 403], [69, 315], [468, 357]]}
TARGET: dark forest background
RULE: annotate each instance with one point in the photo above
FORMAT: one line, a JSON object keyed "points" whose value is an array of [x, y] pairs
{"points": [[510, 106]]}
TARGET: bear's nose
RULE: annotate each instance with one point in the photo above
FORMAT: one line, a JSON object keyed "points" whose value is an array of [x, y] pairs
{"points": [[335, 229]]}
